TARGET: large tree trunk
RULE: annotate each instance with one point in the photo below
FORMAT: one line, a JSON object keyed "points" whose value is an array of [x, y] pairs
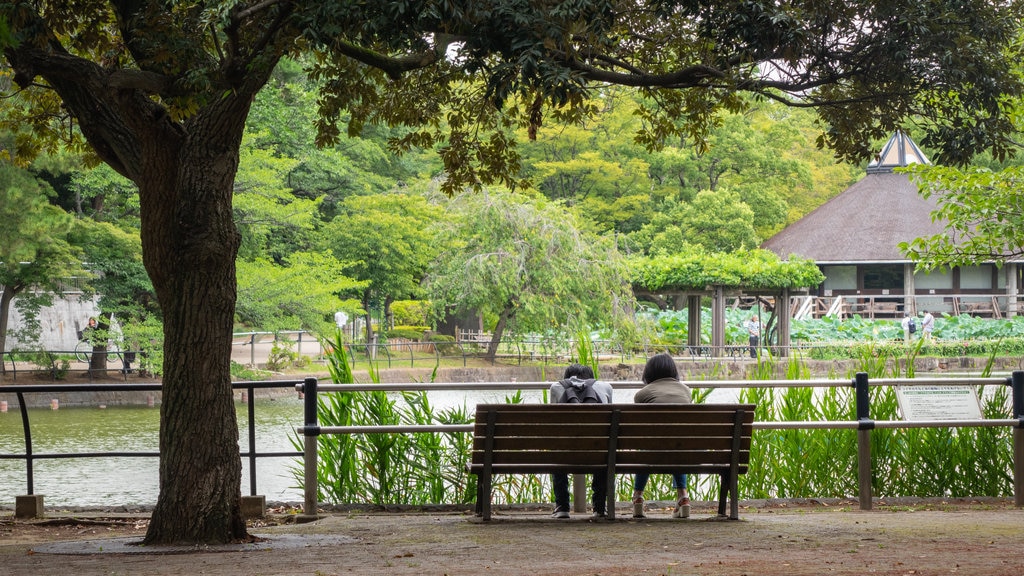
{"points": [[189, 245]]}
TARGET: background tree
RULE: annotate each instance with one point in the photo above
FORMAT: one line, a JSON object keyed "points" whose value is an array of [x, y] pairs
{"points": [[300, 293], [387, 244], [161, 92], [114, 256], [528, 264], [34, 251]]}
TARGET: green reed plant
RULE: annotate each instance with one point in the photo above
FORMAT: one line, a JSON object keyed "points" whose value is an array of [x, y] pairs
{"points": [[387, 468]]}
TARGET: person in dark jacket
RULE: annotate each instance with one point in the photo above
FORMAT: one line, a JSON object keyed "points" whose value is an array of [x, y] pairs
{"points": [[579, 375]]}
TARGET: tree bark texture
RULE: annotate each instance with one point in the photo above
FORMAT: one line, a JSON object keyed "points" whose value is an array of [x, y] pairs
{"points": [[189, 245]]}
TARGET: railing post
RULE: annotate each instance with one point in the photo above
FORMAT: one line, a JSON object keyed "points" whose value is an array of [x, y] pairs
{"points": [[1017, 385], [865, 425], [310, 432], [27, 431]]}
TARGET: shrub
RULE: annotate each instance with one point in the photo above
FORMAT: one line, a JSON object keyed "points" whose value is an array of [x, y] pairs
{"points": [[410, 312], [408, 332], [443, 343]]}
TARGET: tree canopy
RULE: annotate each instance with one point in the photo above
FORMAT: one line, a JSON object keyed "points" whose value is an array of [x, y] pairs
{"points": [[528, 264]]}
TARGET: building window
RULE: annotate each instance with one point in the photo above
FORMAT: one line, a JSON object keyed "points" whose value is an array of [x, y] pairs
{"points": [[883, 277]]}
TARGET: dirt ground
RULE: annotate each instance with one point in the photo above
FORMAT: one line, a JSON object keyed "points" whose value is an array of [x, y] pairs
{"points": [[919, 538]]}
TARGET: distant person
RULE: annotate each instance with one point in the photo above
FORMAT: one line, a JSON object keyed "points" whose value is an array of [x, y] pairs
{"points": [[909, 325], [927, 325], [662, 386], [753, 327], [89, 332], [579, 386]]}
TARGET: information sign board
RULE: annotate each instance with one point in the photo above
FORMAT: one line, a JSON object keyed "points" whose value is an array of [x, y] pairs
{"points": [[938, 402]]}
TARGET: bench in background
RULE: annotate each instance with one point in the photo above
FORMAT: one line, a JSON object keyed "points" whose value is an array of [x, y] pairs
{"points": [[616, 438]]}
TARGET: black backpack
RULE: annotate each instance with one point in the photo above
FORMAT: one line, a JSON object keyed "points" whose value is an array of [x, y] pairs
{"points": [[912, 326], [580, 392]]}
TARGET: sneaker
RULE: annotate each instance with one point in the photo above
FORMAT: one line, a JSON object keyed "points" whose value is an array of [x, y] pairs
{"points": [[560, 513], [638, 508], [682, 509]]}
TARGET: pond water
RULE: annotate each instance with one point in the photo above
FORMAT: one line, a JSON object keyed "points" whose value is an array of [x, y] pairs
{"points": [[116, 481], [132, 480]]}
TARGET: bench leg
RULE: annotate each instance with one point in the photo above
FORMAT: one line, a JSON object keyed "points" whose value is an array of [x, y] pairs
{"points": [[610, 499], [734, 489], [723, 492], [479, 498], [485, 489]]}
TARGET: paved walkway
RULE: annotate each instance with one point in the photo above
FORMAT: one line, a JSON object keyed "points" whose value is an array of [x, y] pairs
{"points": [[933, 539]]}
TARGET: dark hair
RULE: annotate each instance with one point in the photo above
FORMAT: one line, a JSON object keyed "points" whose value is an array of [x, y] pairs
{"points": [[660, 366], [579, 371]]}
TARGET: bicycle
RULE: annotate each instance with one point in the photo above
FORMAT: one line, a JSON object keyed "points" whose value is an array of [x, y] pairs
{"points": [[84, 351]]}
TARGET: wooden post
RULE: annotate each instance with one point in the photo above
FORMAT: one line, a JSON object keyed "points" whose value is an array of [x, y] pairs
{"points": [[718, 321]]}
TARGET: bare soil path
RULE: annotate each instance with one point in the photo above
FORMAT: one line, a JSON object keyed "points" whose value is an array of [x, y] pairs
{"points": [[918, 538]]}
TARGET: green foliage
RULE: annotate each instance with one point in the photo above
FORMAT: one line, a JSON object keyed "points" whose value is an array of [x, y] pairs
{"points": [[822, 463], [387, 468], [146, 336], [697, 270], [982, 214], [245, 373], [34, 250], [411, 312], [444, 344], [301, 292], [408, 332], [528, 263], [282, 355]]}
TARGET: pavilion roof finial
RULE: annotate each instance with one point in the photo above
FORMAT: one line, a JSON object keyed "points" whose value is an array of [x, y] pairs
{"points": [[899, 151]]}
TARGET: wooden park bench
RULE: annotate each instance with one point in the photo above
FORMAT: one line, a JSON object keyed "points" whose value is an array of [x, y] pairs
{"points": [[616, 438]]}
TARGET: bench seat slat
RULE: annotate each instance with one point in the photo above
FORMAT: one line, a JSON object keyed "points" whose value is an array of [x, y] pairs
{"points": [[531, 468], [570, 427], [554, 457]]}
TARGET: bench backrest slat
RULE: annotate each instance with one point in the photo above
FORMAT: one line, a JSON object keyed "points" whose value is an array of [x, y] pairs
{"points": [[601, 443]]}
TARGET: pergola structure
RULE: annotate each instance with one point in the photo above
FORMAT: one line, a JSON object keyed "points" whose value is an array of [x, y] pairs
{"points": [[684, 280], [720, 295]]}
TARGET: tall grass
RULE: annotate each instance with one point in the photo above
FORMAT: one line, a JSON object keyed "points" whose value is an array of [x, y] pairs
{"points": [[904, 462], [431, 467]]}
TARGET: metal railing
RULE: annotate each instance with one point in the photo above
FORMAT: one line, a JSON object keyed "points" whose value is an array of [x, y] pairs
{"points": [[29, 456], [59, 363], [863, 424]]}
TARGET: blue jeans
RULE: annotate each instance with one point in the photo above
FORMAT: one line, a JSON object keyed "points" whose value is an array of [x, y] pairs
{"points": [[599, 484], [640, 481]]}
